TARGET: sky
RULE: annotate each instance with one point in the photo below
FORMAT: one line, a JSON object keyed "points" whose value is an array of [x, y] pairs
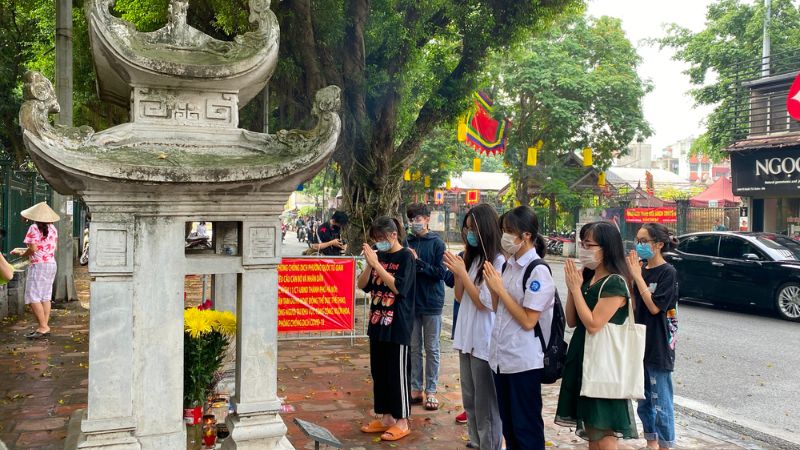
{"points": [[669, 108]]}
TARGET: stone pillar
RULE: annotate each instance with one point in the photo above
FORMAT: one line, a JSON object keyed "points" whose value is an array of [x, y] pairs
{"points": [[158, 286], [256, 423], [109, 423]]}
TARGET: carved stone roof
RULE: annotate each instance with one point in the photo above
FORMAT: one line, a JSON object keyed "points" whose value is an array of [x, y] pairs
{"points": [[179, 55]]}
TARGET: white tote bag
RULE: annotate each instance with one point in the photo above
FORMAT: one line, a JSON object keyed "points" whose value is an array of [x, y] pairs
{"points": [[613, 359]]}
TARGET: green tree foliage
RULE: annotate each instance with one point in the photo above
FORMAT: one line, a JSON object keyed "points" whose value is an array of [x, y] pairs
{"points": [[730, 45], [573, 86]]}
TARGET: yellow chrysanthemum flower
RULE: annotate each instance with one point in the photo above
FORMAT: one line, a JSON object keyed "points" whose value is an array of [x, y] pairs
{"points": [[196, 323], [226, 323]]}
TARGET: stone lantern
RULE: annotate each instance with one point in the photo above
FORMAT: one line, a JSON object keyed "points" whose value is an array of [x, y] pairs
{"points": [[182, 158]]}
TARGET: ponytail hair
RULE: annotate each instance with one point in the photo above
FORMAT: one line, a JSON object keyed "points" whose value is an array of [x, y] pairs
{"points": [[44, 228], [384, 226], [660, 233], [522, 219]]}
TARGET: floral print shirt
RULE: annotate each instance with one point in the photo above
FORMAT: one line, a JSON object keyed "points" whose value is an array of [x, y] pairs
{"points": [[45, 246]]}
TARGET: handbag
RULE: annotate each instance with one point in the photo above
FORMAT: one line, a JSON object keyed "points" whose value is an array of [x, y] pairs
{"points": [[613, 360]]}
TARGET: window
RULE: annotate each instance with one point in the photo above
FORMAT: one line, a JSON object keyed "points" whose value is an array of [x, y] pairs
{"points": [[705, 245], [736, 248]]}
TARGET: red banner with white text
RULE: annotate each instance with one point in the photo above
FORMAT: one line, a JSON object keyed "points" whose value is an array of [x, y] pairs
{"points": [[650, 215], [316, 294]]}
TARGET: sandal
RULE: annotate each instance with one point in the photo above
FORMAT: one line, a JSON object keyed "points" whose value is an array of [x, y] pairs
{"points": [[37, 335], [431, 403], [416, 400], [395, 434], [376, 426]]}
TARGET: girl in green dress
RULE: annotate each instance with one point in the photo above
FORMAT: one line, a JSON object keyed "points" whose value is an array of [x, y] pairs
{"points": [[600, 421]]}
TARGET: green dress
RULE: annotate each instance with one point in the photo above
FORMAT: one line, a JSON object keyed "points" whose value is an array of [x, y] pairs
{"points": [[593, 418]]}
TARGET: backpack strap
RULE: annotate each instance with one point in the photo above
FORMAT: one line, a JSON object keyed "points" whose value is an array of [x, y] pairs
{"points": [[528, 271]]}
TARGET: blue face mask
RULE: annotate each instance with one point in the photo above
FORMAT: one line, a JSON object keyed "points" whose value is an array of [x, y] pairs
{"points": [[383, 246], [472, 240], [644, 251]]}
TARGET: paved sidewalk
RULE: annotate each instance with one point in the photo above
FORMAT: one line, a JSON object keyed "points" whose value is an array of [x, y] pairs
{"points": [[326, 381]]}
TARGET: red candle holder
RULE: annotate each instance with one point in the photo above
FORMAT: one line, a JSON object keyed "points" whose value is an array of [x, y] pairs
{"points": [[209, 430]]}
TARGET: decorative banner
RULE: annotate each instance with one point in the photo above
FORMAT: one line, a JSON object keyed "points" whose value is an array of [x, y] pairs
{"points": [[473, 196], [793, 99], [476, 165], [587, 157], [427, 181], [533, 153], [601, 179], [648, 215], [438, 196], [484, 133], [316, 294], [650, 185], [447, 184]]}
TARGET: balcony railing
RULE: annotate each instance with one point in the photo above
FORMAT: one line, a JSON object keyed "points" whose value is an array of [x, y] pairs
{"points": [[758, 108]]}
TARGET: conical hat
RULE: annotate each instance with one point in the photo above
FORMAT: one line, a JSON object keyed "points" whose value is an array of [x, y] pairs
{"points": [[40, 212]]}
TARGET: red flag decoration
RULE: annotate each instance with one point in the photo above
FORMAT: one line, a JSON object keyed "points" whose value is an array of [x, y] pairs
{"points": [[473, 197], [793, 99], [485, 133]]}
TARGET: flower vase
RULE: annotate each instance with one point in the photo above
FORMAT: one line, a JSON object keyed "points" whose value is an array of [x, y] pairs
{"points": [[194, 428]]}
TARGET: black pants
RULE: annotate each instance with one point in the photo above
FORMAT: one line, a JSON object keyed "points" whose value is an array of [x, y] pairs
{"points": [[519, 399], [390, 368]]}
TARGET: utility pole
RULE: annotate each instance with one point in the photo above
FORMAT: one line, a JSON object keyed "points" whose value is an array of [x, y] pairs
{"points": [[766, 48], [64, 288]]}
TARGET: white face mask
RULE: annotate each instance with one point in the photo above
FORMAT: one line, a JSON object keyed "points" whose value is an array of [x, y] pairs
{"points": [[509, 245], [588, 258]]}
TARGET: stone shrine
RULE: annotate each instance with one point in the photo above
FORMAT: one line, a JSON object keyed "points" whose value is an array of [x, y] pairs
{"points": [[182, 158]]}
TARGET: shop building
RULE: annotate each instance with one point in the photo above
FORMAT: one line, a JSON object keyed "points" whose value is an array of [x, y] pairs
{"points": [[765, 156]]}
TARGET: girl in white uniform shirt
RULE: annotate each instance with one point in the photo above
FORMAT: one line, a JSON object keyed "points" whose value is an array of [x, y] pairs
{"points": [[515, 354], [481, 234]]}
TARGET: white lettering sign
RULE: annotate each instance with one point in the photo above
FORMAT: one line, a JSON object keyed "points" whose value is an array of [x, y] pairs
{"points": [[777, 166]]}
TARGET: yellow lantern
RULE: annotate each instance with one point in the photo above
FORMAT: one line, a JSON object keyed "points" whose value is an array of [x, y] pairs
{"points": [[447, 184], [532, 152], [417, 175], [587, 157], [407, 175], [462, 132], [476, 165], [601, 179], [427, 181]]}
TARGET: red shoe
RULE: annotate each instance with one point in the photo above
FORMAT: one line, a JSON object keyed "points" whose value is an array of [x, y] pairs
{"points": [[461, 418]]}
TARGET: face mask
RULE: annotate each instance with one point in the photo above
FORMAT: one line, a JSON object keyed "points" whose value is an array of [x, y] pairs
{"points": [[383, 246], [417, 227], [644, 251], [588, 258], [508, 244], [472, 240]]}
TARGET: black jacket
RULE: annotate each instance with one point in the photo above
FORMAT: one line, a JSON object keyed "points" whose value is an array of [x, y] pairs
{"points": [[429, 288]]}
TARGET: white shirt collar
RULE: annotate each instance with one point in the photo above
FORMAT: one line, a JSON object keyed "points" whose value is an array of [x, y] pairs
{"points": [[529, 256]]}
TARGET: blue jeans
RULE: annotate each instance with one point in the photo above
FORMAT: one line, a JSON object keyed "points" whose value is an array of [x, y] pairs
{"points": [[656, 411], [427, 329]]}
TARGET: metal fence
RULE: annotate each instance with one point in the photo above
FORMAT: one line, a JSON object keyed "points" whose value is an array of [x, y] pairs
{"points": [[20, 190]]}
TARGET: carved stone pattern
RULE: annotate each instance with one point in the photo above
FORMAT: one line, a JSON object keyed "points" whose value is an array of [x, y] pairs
{"points": [[186, 111], [223, 109], [153, 108]]}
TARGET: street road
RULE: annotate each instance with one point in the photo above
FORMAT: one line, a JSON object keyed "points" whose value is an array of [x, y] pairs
{"points": [[742, 367]]}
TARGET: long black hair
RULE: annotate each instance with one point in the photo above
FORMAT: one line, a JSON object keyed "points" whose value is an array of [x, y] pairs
{"points": [[660, 233], [520, 220], [383, 226], [44, 228], [486, 226], [607, 236]]}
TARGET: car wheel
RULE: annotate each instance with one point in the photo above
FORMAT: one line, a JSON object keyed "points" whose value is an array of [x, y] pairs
{"points": [[787, 301]]}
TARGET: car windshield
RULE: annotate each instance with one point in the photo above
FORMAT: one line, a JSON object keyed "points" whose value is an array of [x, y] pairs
{"points": [[785, 247]]}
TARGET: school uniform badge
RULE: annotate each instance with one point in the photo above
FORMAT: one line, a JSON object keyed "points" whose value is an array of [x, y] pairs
{"points": [[535, 286]]}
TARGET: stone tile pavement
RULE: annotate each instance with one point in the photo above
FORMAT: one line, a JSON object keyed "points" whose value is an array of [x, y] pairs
{"points": [[325, 381]]}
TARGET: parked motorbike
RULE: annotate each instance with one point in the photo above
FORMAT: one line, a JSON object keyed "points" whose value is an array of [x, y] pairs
{"points": [[84, 259], [193, 241], [302, 233]]}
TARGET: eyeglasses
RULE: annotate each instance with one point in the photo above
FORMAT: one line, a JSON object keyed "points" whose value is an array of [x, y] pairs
{"points": [[644, 241], [587, 245]]}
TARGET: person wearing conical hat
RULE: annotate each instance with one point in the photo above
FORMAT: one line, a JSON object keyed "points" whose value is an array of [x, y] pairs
{"points": [[41, 240]]}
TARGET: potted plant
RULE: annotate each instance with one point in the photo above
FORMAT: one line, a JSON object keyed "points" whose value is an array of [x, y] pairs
{"points": [[205, 338]]}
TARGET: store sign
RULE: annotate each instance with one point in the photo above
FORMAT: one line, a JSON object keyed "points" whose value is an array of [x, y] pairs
{"points": [[650, 215], [793, 99], [766, 172], [316, 294]]}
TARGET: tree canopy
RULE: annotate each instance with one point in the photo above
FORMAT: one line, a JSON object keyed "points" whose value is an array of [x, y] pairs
{"points": [[730, 43]]}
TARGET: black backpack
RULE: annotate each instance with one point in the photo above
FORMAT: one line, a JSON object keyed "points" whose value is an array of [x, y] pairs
{"points": [[555, 351]]}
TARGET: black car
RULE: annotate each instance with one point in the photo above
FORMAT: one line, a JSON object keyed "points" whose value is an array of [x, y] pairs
{"points": [[745, 269]]}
